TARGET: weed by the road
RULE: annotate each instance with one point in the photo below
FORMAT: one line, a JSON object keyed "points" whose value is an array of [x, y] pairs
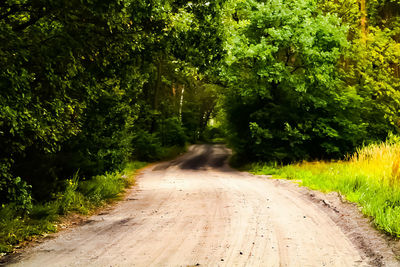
{"points": [[370, 178], [80, 196]]}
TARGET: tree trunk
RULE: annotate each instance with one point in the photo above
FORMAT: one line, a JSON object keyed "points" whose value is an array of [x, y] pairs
{"points": [[364, 25], [181, 102], [158, 84]]}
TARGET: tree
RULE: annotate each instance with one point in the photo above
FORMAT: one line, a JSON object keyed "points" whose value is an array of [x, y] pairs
{"points": [[285, 99], [370, 64]]}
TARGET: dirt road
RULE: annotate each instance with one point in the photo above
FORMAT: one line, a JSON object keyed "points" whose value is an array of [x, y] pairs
{"points": [[197, 211]]}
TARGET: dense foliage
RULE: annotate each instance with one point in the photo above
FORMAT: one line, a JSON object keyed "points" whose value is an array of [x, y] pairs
{"points": [[309, 79]]}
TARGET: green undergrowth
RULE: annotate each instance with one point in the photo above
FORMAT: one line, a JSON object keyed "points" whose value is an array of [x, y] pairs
{"points": [[80, 196], [371, 181]]}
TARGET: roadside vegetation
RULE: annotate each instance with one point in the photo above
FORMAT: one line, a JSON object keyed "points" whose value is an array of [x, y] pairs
{"points": [[370, 177], [81, 196]]}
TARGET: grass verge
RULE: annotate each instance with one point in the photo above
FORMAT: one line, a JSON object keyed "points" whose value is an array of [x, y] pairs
{"points": [[370, 178], [80, 196]]}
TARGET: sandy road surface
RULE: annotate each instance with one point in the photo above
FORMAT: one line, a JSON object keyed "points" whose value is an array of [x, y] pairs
{"points": [[197, 211]]}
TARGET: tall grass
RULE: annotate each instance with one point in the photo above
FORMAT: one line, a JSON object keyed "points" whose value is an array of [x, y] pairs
{"points": [[80, 196], [370, 177]]}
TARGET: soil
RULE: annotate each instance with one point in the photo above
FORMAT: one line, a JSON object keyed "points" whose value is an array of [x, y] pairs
{"points": [[197, 211]]}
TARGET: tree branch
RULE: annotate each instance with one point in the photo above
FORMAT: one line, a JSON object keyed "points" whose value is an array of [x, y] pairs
{"points": [[297, 67]]}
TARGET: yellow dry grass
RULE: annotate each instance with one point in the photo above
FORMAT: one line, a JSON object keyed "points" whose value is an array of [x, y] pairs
{"points": [[379, 161]]}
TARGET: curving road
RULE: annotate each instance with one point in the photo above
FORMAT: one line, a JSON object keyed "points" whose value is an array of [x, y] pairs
{"points": [[196, 211]]}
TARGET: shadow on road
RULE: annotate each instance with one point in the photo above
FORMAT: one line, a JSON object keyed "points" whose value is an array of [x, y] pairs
{"points": [[200, 157]]}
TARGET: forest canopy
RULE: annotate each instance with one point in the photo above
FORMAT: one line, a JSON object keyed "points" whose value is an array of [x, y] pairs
{"points": [[89, 85]]}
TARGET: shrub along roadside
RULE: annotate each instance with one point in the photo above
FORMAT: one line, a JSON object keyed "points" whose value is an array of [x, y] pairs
{"points": [[80, 196], [370, 178]]}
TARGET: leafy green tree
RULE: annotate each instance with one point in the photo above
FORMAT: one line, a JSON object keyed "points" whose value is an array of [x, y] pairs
{"points": [[51, 54], [370, 64], [285, 99]]}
